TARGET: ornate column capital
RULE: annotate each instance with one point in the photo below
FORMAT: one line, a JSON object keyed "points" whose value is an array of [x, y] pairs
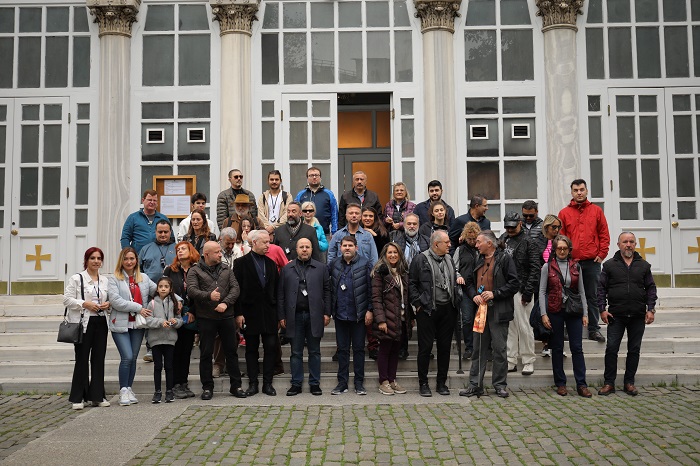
{"points": [[235, 16], [559, 13], [436, 15], [115, 17]]}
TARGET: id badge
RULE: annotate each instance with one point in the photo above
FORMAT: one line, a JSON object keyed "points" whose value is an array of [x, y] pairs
{"points": [[286, 250], [304, 292], [343, 287]]}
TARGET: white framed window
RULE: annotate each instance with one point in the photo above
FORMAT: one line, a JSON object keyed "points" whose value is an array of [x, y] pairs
{"points": [[155, 136], [478, 132], [520, 131], [196, 135]]}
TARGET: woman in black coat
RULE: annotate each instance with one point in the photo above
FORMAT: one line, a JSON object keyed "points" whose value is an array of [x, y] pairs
{"points": [[391, 313]]}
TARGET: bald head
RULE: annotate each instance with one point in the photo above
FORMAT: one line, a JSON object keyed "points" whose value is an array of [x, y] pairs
{"points": [[212, 253], [304, 249]]}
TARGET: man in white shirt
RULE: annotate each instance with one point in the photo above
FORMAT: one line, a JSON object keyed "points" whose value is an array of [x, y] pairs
{"points": [[198, 202]]}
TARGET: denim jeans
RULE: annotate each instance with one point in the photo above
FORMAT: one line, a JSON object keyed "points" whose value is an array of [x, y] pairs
{"points": [[574, 326], [128, 345], [347, 333], [590, 271], [302, 333], [616, 330]]}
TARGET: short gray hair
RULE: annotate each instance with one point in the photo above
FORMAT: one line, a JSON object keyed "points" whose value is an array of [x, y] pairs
{"points": [[490, 237], [435, 237], [255, 235], [229, 233]]}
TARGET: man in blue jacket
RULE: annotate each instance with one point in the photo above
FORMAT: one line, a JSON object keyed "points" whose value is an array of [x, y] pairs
{"points": [[323, 199], [365, 241], [140, 227], [155, 256], [351, 290]]}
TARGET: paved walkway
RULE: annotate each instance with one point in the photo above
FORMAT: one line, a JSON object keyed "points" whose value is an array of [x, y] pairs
{"points": [[660, 426]]}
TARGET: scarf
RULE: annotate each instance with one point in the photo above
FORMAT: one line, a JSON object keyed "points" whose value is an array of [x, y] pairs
{"points": [[413, 248], [293, 230]]}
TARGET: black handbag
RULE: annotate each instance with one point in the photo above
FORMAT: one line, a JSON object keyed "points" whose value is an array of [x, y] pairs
{"points": [[70, 332], [573, 306]]}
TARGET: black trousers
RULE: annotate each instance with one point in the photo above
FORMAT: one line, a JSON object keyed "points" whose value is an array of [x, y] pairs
{"points": [[163, 356], [183, 355], [252, 344], [90, 358], [440, 326], [226, 329]]}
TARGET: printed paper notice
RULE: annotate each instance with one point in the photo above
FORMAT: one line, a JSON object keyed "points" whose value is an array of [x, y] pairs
{"points": [[172, 206], [174, 188]]}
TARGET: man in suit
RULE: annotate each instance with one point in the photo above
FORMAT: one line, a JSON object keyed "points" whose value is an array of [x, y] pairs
{"points": [[256, 309], [304, 309]]}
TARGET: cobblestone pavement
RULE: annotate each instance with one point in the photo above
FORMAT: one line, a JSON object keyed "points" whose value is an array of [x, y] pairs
{"points": [[660, 426], [24, 418]]}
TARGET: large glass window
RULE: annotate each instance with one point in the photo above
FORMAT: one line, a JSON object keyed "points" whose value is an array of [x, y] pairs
{"points": [[340, 42], [53, 47], [498, 41], [176, 46], [642, 39]]}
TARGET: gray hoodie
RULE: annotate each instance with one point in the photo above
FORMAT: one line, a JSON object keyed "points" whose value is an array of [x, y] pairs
{"points": [[162, 311]]}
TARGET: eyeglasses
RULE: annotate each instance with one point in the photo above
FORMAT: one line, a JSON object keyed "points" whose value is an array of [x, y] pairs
{"points": [[308, 211], [237, 177], [528, 215], [313, 175], [555, 227], [564, 248]]}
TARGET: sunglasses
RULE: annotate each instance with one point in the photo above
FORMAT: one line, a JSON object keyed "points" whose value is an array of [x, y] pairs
{"points": [[237, 177], [307, 211], [565, 248], [555, 227], [529, 215]]}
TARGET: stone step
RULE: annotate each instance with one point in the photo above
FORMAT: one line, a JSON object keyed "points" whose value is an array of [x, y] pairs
{"points": [[48, 336], [64, 352], [143, 385], [52, 369]]}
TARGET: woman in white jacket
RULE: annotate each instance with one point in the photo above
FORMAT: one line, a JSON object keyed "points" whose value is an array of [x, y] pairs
{"points": [[86, 299], [129, 292]]}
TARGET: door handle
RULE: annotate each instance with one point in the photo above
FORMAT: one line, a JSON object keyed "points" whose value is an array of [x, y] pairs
{"points": [[14, 232], [673, 224]]}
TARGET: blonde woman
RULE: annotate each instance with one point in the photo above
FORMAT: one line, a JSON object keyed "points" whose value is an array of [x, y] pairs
{"points": [[129, 292], [308, 210]]}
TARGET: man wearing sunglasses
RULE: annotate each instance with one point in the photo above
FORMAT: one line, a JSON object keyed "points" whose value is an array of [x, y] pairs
{"points": [[532, 224], [226, 200]]}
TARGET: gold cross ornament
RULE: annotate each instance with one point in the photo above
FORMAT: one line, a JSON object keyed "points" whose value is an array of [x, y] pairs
{"points": [[643, 250], [38, 257]]}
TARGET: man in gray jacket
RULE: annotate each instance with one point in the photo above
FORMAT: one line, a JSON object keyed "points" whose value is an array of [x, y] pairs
{"points": [[213, 291]]}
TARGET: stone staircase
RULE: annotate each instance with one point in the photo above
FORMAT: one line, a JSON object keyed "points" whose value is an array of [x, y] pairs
{"points": [[32, 360]]}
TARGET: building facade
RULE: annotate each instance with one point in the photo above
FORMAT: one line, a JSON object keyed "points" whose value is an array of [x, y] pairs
{"points": [[512, 99]]}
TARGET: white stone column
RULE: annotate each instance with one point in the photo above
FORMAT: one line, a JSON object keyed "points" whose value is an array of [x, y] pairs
{"points": [[113, 157], [236, 24], [561, 99], [440, 134]]}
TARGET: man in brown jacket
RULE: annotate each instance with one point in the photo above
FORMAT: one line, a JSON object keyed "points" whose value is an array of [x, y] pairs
{"points": [[213, 290]]}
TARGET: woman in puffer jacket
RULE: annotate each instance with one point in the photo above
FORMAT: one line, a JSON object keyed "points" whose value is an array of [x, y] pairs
{"points": [[391, 309]]}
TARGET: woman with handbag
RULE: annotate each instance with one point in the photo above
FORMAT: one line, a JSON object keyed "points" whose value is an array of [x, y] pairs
{"points": [[185, 256], [86, 303], [561, 289], [129, 292]]}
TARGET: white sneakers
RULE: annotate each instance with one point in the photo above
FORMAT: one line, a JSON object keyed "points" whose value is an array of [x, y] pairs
{"points": [[132, 397], [528, 369], [124, 397], [101, 404], [78, 406]]}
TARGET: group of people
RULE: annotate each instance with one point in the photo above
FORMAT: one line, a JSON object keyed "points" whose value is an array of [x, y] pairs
{"points": [[288, 264]]}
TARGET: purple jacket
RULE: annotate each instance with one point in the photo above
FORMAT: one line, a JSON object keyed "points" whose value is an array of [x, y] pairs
{"points": [[406, 208]]}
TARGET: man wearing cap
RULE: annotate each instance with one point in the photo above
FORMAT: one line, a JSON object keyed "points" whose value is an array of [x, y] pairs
{"points": [[243, 207], [226, 200], [521, 340]]}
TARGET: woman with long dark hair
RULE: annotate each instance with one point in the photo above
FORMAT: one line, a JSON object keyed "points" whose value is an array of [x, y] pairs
{"points": [[185, 256], [199, 232], [86, 299], [391, 313], [438, 219], [375, 227]]}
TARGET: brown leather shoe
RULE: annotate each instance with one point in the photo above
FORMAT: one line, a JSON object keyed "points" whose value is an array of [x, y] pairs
{"points": [[606, 390], [562, 391], [584, 392], [630, 389]]}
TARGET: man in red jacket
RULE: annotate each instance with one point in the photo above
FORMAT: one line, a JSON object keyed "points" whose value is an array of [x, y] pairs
{"points": [[584, 223]]}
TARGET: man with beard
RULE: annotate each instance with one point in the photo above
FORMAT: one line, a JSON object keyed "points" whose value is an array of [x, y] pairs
{"points": [[272, 206], [628, 287], [227, 198], [365, 242], [324, 200], [256, 310], [287, 235], [434, 194]]}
